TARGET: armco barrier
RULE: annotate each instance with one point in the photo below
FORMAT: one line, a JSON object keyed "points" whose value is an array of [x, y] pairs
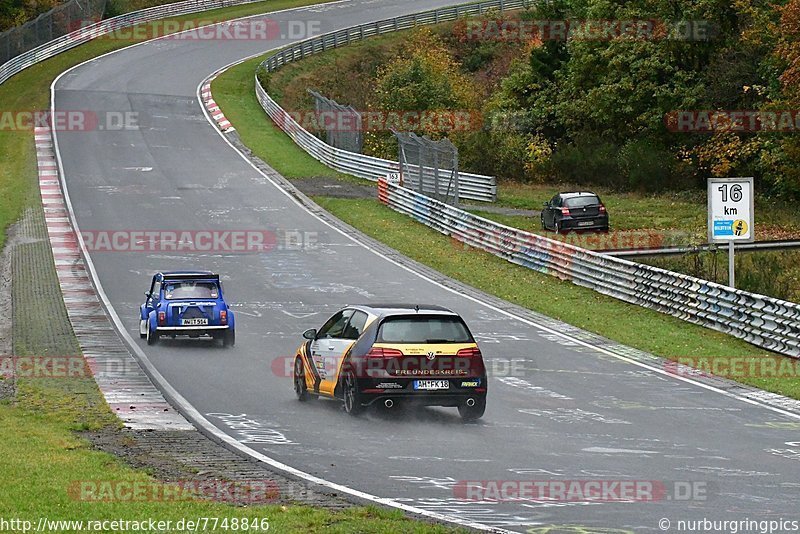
{"points": [[87, 33], [471, 186], [763, 321]]}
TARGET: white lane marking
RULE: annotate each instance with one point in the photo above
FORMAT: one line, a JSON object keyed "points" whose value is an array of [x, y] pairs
{"points": [[186, 408], [556, 334], [606, 450]]}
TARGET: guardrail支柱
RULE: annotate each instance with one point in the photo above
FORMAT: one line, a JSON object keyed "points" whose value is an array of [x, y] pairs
{"points": [[470, 186], [764, 321]]}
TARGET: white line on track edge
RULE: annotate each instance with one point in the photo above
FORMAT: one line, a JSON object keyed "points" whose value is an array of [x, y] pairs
{"points": [[185, 406], [197, 418]]}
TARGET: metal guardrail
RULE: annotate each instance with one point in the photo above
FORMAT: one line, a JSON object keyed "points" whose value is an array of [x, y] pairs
{"points": [[105, 27], [471, 186], [763, 321], [781, 244], [56, 22]]}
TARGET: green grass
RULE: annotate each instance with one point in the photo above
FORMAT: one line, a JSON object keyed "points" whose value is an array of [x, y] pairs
{"points": [[260, 134], [41, 462], [30, 90], [638, 327], [672, 217], [41, 457]]}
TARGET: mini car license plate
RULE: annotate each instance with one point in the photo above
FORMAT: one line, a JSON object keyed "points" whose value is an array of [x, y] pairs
{"points": [[431, 384], [585, 223], [198, 321]]}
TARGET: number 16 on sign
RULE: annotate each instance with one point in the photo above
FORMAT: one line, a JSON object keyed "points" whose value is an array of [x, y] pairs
{"points": [[730, 214]]}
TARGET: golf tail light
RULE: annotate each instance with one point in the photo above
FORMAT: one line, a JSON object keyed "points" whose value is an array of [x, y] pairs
{"points": [[602, 209], [475, 362], [380, 352], [564, 211]]}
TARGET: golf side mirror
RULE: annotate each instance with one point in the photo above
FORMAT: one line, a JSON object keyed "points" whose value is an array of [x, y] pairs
{"points": [[311, 333]]}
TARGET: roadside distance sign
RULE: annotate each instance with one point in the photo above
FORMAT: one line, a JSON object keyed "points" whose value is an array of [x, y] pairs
{"points": [[730, 210]]}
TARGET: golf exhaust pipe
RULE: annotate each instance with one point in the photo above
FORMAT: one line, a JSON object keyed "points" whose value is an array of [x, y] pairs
{"points": [[388, 403], [470, 402]]}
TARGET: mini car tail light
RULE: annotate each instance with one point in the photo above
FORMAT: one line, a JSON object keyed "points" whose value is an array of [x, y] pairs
{"points": [[380, 352], [223, 317], [564, 211], [162, 317]]}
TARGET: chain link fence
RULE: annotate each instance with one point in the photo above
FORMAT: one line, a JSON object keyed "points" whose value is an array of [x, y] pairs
{"points": [[341, 124], [57, 22], [429, 167]]}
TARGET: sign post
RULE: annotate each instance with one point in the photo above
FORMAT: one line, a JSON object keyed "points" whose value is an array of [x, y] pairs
{"points": [[730, 215]]}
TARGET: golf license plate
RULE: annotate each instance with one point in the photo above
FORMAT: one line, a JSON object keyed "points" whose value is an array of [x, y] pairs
{"points": [[431, 384], [199, 321], [585, 223]]}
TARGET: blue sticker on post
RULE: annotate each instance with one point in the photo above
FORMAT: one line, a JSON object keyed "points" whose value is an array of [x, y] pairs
{"points": [[723, 227]]}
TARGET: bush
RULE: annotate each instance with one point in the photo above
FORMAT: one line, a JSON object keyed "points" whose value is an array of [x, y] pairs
{"points": [[588, 161], [646, 166]]}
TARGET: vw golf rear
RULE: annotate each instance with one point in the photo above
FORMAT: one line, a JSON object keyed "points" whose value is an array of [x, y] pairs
{"points": [[393, 354]]}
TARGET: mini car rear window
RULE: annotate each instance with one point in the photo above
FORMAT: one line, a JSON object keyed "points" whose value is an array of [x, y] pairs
{"points": [[190, 290], [579, 202], [421, 329]]}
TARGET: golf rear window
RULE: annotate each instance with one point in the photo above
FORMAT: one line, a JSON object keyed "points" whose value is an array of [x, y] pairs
{"points": [[579, 202], [424, 329]]}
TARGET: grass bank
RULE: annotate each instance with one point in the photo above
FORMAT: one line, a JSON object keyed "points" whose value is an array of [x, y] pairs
{"points": [[42, 456], [634, 326]]}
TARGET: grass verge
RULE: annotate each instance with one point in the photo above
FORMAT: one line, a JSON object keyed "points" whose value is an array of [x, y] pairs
{"points": [[41, 458], [30, 90], [637, 327], [676, 217]]}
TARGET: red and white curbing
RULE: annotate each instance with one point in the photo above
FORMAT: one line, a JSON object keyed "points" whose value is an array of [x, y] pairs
{"points": [[212, 107], [127, 389]]}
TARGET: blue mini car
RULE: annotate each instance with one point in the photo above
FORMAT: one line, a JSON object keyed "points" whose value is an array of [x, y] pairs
{"points": [[186, 303]]}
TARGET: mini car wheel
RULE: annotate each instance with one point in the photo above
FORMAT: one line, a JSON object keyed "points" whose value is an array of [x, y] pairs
{"points": [[300, 388], [352, 398], [152, 337], [142, 328], [474, 412], [229, 338]]}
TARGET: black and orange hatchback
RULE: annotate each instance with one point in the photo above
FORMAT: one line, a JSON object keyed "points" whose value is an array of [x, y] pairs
{"points": [[393, 354]]}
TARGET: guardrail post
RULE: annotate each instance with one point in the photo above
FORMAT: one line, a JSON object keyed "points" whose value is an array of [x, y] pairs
{"points": [[436, 16]]}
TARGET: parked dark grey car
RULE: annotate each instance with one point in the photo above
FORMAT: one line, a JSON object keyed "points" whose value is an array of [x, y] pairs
{"points": [[574, 210]]}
